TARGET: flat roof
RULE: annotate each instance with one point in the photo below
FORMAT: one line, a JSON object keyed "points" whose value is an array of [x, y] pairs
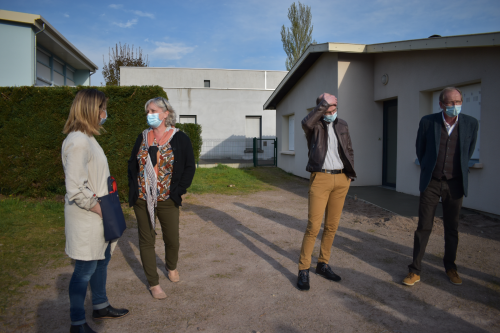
{"points": [[204, 69], [51, 39], [313, 52]]}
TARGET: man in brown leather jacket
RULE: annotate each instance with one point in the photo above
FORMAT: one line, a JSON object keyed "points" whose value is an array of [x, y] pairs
{"points": [[331, 163]]}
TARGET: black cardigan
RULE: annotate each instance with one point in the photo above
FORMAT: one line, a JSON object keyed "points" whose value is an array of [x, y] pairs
{"points": [[182, 174]]}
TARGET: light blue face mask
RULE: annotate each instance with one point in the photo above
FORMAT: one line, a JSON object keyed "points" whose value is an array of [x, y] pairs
{"points": [[453, 111], [330, 118], [154, 120], [103, 120]]}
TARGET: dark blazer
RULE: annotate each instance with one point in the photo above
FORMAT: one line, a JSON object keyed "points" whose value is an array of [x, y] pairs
{"points": [[182, 174], [428, 137]]}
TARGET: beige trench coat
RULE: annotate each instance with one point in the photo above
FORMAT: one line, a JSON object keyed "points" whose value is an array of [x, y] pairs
{"points": [[86, 171]]}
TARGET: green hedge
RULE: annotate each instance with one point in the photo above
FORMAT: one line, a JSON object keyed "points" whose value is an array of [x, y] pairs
{"points": [[31, 123], [194, 133]]}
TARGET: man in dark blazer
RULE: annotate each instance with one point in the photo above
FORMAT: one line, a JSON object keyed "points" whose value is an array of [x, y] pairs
{"points": [[445, 144]]}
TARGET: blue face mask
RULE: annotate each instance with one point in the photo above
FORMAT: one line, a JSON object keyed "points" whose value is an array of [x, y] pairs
{"points": [[154, 120], [330, 118], [103, 120], [453, 111]]}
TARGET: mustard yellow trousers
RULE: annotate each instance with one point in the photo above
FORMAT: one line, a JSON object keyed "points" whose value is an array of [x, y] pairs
{"points": [[327, 194]]}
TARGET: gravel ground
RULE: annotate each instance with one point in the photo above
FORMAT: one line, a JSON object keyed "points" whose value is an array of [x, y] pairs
{"points": [[238, 269]]}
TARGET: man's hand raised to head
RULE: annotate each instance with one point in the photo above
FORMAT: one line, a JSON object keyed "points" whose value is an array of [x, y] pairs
{"points": [[330, 99]]}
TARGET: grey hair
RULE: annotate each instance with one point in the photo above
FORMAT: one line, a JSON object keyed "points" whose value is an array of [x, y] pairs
{"points": [[163, 104], [447, 89]]}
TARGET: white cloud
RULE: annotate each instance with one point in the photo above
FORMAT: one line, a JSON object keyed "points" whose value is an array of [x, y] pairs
{"points": [[139, 13], [115, 6], [65, 15], [126, 25], [171, 51]]}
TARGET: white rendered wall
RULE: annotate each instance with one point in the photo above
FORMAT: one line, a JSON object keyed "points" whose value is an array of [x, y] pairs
{"points": [[413, 78], [220, 109]]}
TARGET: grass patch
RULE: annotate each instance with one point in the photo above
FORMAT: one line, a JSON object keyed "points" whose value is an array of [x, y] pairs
{"points": [[31, 236], [245, 181]]}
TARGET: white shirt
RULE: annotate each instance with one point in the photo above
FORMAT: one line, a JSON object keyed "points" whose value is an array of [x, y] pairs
{"points": [[449, 128], [332, 159]]}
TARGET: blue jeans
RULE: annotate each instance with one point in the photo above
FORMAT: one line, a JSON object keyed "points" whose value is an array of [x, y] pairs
{"points": [[95, 273]]}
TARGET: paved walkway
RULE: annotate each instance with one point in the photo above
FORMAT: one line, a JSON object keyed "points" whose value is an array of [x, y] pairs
{"points": [[397, 202]]}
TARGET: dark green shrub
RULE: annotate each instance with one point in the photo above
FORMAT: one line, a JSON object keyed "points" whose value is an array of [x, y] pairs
{"points": [[194, 133], [31, 123]]}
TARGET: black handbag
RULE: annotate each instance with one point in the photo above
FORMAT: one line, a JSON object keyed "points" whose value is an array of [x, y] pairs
{"points": [[112, 214]]}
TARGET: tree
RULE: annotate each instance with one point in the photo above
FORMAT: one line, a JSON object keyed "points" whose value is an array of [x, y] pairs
{"points": [[297, 38], [121, 56]]}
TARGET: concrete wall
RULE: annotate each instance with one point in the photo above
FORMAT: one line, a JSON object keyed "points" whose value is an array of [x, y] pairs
{"points": [[321, 77], [413, 77], [220, 109], [16, 54]]}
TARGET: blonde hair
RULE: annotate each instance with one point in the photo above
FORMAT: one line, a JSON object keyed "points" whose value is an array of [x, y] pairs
{"points": [[165, 105], [84, 112]]}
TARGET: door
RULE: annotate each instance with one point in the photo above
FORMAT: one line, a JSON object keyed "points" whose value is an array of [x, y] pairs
{"points": [[390, 151]]}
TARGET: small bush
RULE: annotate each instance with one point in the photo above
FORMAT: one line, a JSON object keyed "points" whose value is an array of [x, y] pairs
{"points": [[194, 133]]}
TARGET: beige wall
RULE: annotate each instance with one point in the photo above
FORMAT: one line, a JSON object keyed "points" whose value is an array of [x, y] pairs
{"points": [[413, 76], [363, 115]]}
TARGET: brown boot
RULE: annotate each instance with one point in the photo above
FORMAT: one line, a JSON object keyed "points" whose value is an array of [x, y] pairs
{"points": [[454, 278], [157, 292], [173, 275], [411, 279]]}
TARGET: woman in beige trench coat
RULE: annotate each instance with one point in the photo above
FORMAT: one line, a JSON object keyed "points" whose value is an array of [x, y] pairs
{"points": [[86, 172]]}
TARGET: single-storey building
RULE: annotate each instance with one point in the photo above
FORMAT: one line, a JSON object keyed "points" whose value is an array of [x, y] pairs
{"points": [[33, 52], [383, 91], [227, 104]]}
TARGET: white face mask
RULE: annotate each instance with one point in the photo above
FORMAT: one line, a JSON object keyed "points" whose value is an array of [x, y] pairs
{"points": [[453, 111]]}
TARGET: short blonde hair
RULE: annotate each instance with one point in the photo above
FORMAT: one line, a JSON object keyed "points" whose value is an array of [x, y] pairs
{"points": [[84, 112], [163, 104]]}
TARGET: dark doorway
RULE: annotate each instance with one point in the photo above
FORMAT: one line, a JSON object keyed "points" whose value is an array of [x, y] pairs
{"points": [[389, 166]]}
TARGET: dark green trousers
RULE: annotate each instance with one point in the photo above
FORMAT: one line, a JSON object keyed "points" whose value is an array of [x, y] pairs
{"points": [[168, 214]]}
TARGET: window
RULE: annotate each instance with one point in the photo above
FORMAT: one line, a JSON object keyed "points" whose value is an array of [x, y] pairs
{"points": [[187, 119], [206, 83], [51, 71], [291, 130], [471, 106], [288, 134], [253, 129]]}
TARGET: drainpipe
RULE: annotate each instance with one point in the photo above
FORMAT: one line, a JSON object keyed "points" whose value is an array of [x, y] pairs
{"points": [[90, 83], [34, 54]]}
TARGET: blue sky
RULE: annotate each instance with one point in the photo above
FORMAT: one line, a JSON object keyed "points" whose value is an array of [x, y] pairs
{"points": [[246, 34]]}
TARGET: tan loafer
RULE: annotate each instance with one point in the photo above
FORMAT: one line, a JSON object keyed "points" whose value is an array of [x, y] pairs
{"points": [[173, 275], [411, 279], [157, 292]]}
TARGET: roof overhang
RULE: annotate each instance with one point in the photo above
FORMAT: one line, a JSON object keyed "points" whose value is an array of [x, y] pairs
{"points": [[51, 39], [313, 52]]}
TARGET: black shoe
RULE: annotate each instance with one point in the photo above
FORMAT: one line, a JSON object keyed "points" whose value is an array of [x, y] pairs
{"points": [[84, 328], [326, 271], [303, 280], [109, 312]]}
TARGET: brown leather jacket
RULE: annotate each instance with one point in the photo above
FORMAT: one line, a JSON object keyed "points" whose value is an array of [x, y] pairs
{"points": [[317, 140]]}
